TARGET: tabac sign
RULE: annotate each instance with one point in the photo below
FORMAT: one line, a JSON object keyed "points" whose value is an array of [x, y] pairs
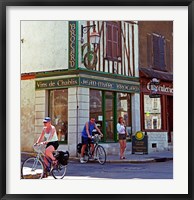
{"points": [[86, 82]]}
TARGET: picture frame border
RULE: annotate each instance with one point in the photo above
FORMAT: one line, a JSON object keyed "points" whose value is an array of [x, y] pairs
{"points": [[4, 122]]}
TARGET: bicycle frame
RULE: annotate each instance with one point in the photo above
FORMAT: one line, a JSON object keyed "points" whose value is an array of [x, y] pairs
{"points": [[40, 156], [90, 153]]}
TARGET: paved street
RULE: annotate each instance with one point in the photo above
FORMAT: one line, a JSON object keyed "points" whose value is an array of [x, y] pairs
{"points": [[156, 165], [153, 170]]}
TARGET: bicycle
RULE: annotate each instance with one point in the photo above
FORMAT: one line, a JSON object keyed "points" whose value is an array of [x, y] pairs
{"points": [[99, 152], [35, 168]]}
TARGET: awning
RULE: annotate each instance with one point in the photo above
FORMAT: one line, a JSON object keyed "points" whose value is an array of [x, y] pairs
{"points": [[151, 73]]}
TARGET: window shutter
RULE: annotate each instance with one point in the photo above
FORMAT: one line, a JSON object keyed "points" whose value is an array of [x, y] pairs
{"points": [[161, 53], [149, 50], [167, 54], [109, 40], [158, 52], [119, 40], [115, 42]]}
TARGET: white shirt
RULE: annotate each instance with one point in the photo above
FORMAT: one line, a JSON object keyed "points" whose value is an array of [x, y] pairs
{"points": [[120, 128], [47, 135]]}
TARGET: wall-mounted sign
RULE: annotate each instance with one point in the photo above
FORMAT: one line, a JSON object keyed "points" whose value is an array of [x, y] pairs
{"points": [[86, 82], [161, 88], [72, 45], [109, 85], [57, 83]]}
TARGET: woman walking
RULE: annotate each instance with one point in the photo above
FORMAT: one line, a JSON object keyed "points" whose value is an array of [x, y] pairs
{"points": [[122, 137]]}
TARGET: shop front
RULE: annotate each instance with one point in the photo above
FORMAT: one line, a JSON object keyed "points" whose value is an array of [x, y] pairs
{"points": [[157, 112], [71, 100]]}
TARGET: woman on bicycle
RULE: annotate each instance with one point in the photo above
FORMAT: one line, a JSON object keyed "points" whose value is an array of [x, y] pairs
{"points": [[51, 142], [87, 136]]}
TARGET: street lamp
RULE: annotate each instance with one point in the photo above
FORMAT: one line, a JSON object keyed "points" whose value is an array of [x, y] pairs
{"points": [[94, 36], [90, 57]]}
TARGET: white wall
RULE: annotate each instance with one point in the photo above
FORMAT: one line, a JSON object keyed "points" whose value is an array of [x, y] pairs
{"points": [[45, 45]]}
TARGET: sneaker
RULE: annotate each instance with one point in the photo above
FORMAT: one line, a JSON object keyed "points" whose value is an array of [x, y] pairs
{"points": [[95, 158], [91, 159], [82, 160]]}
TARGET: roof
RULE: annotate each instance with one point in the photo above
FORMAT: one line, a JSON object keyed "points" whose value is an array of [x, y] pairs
{"points": [[151, 73]]}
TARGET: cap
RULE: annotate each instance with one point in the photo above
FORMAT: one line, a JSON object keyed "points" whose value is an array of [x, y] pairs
{"points": [[47, 119]]}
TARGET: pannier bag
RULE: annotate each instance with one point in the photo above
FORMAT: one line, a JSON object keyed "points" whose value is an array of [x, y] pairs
{"points": [[79, 147], [62, 157]]}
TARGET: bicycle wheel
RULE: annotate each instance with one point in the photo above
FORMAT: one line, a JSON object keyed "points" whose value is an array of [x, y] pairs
{"points": [[32, 168], [59, 172], [101, 154]]}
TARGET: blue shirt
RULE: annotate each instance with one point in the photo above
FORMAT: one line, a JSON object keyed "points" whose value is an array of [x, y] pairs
{"points": [[91, 127]]}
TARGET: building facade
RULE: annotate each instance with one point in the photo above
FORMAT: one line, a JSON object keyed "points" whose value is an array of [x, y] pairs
{"points": [[156, 80], [67, 76]]}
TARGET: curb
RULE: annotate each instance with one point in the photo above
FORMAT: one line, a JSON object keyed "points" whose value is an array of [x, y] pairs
{"points": [[145, 160], [149, 160]]}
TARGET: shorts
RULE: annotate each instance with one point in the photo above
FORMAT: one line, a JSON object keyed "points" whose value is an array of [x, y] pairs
{"points": [[122, 136], [87, 140], [54, 144]]}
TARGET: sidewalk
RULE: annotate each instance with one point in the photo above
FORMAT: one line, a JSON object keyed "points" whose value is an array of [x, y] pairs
{"points": [[161, 156], [138, 158], [142, 158]]}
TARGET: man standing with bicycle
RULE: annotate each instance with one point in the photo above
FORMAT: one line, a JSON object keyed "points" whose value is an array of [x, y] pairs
{"points": [[87, 136]]}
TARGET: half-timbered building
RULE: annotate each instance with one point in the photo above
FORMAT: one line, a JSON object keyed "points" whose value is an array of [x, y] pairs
{"points": [[72, 70]]}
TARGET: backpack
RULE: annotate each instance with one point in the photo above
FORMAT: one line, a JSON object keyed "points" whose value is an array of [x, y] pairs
{"points": [[62, 157], [79, 147]]}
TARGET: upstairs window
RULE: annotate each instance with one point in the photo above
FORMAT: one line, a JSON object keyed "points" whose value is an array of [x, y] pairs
{"points": [[113, 40], [158, 52], [158, 56]]}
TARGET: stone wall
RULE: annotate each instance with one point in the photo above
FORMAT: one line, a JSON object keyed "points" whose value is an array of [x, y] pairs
{"points": [[157, 141], [27, 114]]}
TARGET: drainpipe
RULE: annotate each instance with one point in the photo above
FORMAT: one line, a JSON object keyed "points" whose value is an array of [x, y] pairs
{"points": [[77, 119]]}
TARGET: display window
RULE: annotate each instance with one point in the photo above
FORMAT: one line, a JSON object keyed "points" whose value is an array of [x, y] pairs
{"points": [[152, 113], [106, 107], [58, 111]]}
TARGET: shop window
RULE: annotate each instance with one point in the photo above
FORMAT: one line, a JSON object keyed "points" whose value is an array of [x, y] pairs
{"points": [[109, 116], [106, 112], [124, 109], [96, 107], [58, 109], [152, 113], [113, 41]]}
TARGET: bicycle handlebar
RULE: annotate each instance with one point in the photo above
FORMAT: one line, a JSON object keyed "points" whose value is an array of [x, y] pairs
{"points": [[39, 147]]}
